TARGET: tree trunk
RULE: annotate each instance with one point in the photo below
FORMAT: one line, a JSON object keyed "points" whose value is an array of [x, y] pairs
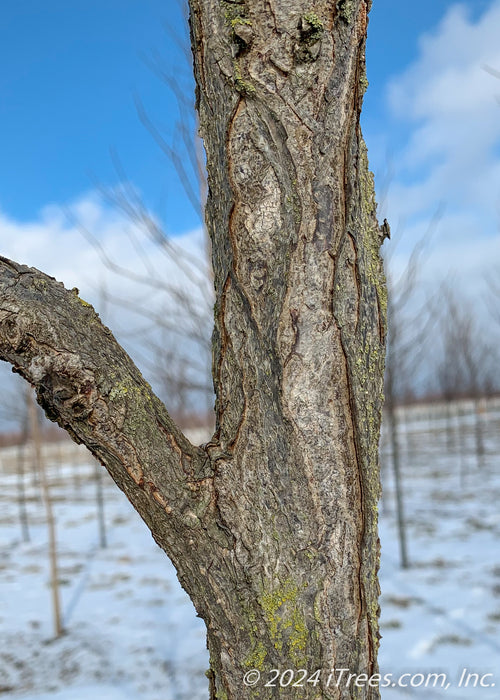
{"points": [[272, 525], [298, 342]]}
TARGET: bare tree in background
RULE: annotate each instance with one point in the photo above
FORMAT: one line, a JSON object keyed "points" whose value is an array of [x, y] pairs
{"points": [[101, 519], [450, 378], [39, 460], [21, 486], [175, 346], [493, 296], [451, 388], [408, 323], [21, 470], [14, 413], [171, 334], [397, 362], [468, 366]]}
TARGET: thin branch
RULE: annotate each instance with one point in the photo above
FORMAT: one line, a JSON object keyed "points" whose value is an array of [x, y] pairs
{"points": [[172, 154]]}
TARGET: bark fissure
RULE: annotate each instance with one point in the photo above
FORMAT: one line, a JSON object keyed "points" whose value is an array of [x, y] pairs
{"points": [[293, 143]]}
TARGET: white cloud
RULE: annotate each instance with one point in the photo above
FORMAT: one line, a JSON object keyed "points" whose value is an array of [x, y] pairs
{"points": [[448, 78], [55, 244], [454, 248], [452, 157]]}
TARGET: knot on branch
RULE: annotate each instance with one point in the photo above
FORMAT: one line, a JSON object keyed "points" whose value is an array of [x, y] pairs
{"points": [[64, 387], [13, 336]]}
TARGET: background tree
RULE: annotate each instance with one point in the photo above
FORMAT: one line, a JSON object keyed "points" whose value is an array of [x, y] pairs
{"points": [[409, 321], [468, 365], [39, 461], [170, 315], [400, 349], [271, 525], [174, 347], [14, 410], [493, 296]]}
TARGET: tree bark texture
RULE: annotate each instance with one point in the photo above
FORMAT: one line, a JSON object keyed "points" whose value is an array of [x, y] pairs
{"points": [[272, 525], [299, 329]]}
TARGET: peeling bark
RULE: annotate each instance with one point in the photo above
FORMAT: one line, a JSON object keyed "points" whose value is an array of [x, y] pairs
{"points": [[273, 525]]}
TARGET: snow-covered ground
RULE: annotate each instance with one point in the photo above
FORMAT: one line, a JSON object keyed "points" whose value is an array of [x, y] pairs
{"points": [[131, 632], [443, 614]]}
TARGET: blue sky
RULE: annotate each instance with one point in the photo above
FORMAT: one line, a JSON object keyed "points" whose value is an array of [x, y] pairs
{"points": [[69, 75], [394, 32], [70, 72]]}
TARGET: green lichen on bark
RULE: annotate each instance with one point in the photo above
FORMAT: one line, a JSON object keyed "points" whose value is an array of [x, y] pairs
{"points": [[346, 10], [311, 31], [257, 656], [118, 391], [372, 242], [287, 628], [233, 11], [240, 20], [363, 82], [368, 372], [241, 36], [241, 32], [315, 28], [244, 87]]}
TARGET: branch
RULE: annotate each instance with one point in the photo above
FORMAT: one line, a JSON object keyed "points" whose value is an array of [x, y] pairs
{"points": [[88, 384]]}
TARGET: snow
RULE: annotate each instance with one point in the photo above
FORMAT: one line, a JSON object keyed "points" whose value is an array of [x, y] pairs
{"points": [[132, 633], [443, 613], [83, 692]]}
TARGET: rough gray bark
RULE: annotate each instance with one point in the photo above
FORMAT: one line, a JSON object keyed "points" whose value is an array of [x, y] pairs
{"points": [[273, 524]]}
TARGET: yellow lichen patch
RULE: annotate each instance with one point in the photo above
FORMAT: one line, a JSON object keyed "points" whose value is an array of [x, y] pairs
{"points": [[312, 19], [243, 86], [240, 20], [285, 620], [119, 390], [257, 657], [346, 10]]}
